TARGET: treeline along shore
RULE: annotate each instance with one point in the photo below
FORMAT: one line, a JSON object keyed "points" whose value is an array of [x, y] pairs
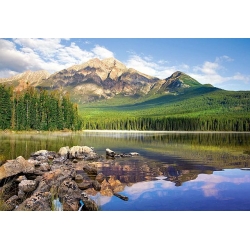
{"points": [[209, 123], [34, 109], [37, 110]]}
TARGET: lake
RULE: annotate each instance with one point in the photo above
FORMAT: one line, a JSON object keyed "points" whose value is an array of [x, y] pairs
{"points": [[175, 171]]}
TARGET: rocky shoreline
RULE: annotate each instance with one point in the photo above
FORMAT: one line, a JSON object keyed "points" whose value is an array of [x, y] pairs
{"points": [[63, 180]]}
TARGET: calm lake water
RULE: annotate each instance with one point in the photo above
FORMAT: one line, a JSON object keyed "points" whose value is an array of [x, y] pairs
{"points": [[174, 171]]}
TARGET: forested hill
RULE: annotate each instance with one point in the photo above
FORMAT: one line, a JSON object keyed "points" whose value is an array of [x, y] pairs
{"points": [[37, 110], [198, 108]]}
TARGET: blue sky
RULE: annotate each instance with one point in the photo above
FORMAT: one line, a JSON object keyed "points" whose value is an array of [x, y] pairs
{"points": [[223, 62]]}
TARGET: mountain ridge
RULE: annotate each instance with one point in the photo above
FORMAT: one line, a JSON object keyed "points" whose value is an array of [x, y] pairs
{"points": [[101, 79]]}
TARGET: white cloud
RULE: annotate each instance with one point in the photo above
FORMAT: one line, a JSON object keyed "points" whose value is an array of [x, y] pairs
{"points": [[240, 77], [210, 72], [102, 52], [147, 66], [209, 78], [14, 60], [208, 68], [21, 54], [142, 65], [224, 58], [46, 47]]}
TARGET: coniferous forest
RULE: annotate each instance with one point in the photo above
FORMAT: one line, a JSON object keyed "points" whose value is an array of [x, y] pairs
{"points": [[32, 109], [208, 123]]}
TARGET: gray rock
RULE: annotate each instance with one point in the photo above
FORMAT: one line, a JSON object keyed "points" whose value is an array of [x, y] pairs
{"points": [[44, 167], [41, 153], [27, 186], [63, 151], [110, 152], [134, 153], [78, 178], [17, 166], [21, 178], [92, 156], [21, 194], [77, 151], [9, 189], [40, 201], [96, 185], [85, 184], [69, 187], [90, 170], [42, 187], [89, 205], [12, 202], [100, 177], [42, 158]]}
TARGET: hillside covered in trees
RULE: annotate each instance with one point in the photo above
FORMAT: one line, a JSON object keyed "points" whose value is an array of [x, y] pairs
{"points": [[31, 109], [198, 108]]}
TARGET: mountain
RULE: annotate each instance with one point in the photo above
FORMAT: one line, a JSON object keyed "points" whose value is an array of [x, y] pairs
{"points": [[178, 80], [101, 79], [20, 81]]}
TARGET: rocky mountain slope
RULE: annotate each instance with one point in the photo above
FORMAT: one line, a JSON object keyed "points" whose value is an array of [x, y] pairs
{"points": [[21, 81], [101, 79]]}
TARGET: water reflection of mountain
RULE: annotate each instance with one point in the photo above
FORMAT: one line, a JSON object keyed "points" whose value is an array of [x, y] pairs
{"points": [[139, 169]]}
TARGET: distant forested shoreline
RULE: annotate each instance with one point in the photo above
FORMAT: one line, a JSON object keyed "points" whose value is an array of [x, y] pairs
{"points": [[34, 109], [240, 124]]}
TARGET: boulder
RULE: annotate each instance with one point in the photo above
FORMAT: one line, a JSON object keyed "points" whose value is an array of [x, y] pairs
{"points": [[36, 163], [42, 187], [40, 201], [133, 153], [27, 186], [89, 205], [100, 177], [64, 151], [21, 194], [41, 153], [85, 184], [92, 156], [87, 150], [90, 170], [96, 185], [82, 151], [9, 189], [44, 167], [69, 194], [17, 166], [69, 187], [12, 202], [78, 178], [110, 153], [70, 203]]}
